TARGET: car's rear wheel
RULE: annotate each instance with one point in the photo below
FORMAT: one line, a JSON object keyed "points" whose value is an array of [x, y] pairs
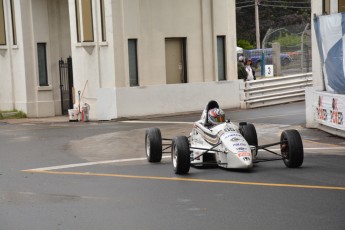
{"points": [[153, 145], [292, 148], [180, 155]]}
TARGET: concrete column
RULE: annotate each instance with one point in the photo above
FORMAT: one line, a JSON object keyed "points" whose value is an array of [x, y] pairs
{"points": [[276, 59]]}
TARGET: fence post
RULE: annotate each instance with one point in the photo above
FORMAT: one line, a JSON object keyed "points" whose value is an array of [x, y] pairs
{"points": [[276, 59]]}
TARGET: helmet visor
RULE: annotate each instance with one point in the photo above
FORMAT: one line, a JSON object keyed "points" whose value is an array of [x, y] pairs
{"points": [[219, 119]]}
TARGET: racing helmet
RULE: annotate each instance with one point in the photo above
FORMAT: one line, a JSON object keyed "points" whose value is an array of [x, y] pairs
{"points": [[216, 116]]}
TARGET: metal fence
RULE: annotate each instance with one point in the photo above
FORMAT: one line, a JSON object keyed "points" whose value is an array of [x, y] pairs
{"points": [[294, 59]]}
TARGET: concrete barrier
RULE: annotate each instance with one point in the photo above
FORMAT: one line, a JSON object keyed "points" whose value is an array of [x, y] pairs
{"points": [[277, 90]]}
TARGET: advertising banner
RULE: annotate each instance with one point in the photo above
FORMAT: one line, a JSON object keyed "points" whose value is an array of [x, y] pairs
{"points": [[329, 109], [330, 31]]}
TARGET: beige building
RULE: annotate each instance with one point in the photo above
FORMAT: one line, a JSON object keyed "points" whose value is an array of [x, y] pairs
{"points": [[130, 57]]}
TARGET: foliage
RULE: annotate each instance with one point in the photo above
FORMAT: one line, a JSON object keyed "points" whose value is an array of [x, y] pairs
{"points": [[289, 40], [284, 13], [245, 44], [14, 114]]}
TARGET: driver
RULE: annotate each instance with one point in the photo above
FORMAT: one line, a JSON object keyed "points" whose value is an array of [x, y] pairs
{"points": [[216, 116]]}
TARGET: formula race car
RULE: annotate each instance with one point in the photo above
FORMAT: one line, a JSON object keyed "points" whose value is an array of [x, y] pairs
{"points": [[220, 142]]}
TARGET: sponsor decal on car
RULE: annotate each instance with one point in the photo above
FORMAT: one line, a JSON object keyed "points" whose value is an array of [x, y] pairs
{"points": [[239, 144], [228, 129], [235, 139], [241, 149], [229, 135], [244, 154]]}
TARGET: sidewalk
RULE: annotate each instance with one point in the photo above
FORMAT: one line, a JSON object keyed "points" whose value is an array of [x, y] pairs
{"points": [[56, 119]]}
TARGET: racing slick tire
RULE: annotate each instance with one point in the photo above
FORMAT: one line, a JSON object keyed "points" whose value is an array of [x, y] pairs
{"points": [[153, 145], [248, 131], [180, 155], [292, 148]]}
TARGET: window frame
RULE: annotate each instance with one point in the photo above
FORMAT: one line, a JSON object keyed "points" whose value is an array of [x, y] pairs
{"points": [[133, 81], [77, 19], [341, 6], [13, 20], [42, 80], [103, 24], [3, 40], [222, 62]]}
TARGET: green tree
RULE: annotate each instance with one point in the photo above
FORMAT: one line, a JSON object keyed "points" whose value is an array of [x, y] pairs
{"points": [[245, 44]]}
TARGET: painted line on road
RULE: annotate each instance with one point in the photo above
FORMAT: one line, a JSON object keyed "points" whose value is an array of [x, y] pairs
{"points": [[158, 122], [88, 164], [140, 159], [189, 180]]}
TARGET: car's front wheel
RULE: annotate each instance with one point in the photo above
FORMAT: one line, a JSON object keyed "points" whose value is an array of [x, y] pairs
{"points": [[153, 145], [292, 148], [180, 155], [248, 131]]}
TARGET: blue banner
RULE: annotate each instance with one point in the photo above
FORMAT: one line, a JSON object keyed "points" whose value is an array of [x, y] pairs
{"points": [[330, 31]]}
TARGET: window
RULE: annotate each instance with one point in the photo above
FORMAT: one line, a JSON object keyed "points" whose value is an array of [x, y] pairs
{"points": [[86, 6], [14, 30], [77, 13], [104, 35], [2, 24], [42, 64], [221, 58], [341, 6], [84, 20], [326, 6], [133, 62]]}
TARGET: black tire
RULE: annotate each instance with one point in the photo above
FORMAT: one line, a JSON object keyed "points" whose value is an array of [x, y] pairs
{"points": [[153, 145], [248, 131], [180, 155], [292, 148]]}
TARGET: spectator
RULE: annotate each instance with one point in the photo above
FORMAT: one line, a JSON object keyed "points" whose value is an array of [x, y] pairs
{"points": [[250, 70], [241, 69]]}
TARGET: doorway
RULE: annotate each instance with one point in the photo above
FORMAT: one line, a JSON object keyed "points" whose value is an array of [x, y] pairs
{"points": [[175, 60], [66, 85]]}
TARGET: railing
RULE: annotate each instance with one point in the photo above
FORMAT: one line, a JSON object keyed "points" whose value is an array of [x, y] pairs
{"points": [[278, 90]]}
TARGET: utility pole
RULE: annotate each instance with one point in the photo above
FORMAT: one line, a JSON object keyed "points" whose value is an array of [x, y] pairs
{"points": [[257, 27]]}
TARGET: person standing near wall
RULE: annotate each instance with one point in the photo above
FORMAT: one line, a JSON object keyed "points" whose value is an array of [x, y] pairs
{"points": [[249, 69], [241, 69]]}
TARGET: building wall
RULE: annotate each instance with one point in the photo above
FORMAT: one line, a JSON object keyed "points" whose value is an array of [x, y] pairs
{"points": [[44, 21], [102, 65], [150, 22]]}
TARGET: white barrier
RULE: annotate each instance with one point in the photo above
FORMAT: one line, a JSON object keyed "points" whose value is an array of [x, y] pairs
{"points": [[129, 102], [277, 90]]}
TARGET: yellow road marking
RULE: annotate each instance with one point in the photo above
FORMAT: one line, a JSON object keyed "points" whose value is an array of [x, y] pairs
{"points": [[188, 179]]}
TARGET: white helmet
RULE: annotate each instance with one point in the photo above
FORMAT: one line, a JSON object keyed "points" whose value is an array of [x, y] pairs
{"points": [[216, 116]]}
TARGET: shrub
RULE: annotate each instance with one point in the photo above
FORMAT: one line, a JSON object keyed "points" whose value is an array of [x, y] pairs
{"points": [[245, 44]]}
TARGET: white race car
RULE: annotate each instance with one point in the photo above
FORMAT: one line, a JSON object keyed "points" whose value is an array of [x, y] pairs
{"points": [[225, 145]]}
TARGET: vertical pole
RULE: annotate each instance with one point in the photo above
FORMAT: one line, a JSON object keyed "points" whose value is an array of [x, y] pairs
{"points": [[61, 63], [257, 25], [70, 82]]}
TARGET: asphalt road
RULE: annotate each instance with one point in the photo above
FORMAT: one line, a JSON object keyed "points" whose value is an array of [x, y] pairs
{"points": [[62, 175]]}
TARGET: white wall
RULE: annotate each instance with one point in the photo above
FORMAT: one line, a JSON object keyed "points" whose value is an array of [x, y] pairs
{"points": [[166, 99]]}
